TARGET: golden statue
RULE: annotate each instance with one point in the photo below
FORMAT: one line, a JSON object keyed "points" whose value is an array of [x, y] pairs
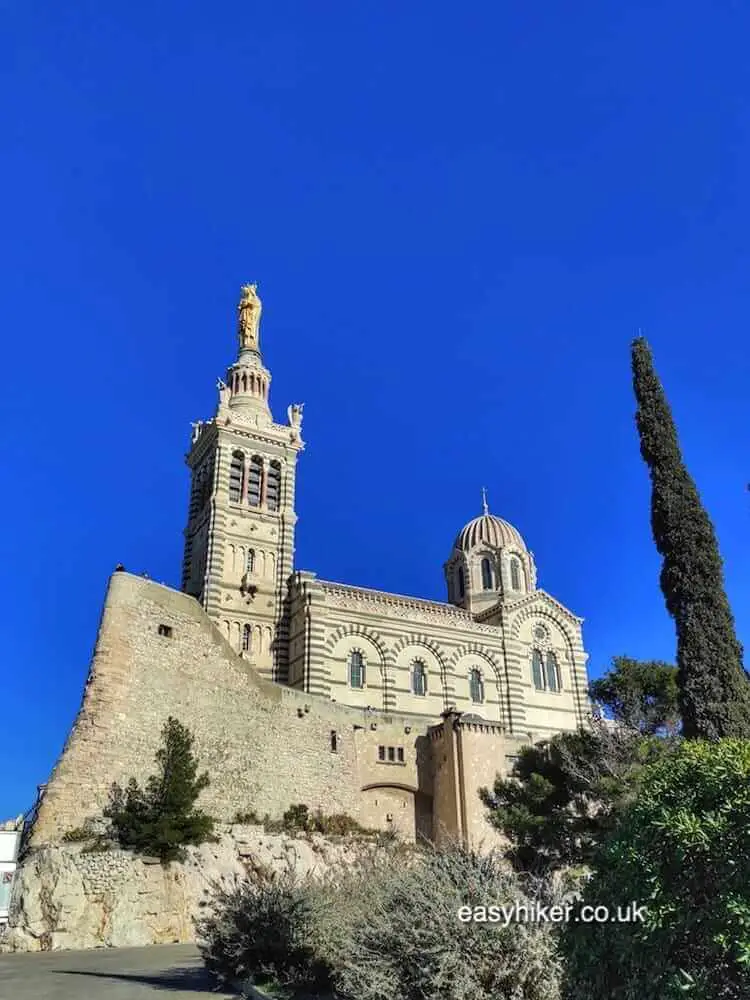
{"points": [[248, 312]]}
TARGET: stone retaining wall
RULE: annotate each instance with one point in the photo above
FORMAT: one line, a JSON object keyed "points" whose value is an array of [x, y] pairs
{"points": [[66, 897]]}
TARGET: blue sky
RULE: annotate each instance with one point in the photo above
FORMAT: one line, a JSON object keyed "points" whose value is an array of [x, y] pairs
{"points": [[458, 217]]}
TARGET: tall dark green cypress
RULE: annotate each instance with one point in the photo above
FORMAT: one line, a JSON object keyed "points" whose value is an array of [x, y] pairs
{"points": [[714, 688]]}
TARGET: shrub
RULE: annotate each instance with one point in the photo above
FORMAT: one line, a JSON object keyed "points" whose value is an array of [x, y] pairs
{"points": [[565, 795], [386, 927], [75, 835], [385, 838], [336, 825], [261, 928], [405, 939], [247, 818], [160, 819], [299, 819], [683, 850]]}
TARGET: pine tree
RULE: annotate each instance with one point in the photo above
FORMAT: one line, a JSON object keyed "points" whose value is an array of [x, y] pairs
{"points": [[714, 688], [161, 818], [641, 695]]}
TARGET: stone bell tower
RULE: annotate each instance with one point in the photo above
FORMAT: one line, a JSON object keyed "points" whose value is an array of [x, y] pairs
{"points": [[239, 539]]}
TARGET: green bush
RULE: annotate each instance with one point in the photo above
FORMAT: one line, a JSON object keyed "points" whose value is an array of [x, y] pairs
{"points": [[406, 941], [387, 927], [161, 818], [682, 850], [262, 928], [336, 825], [565, 795], [75, 835], [247, 818], [299, 819]]}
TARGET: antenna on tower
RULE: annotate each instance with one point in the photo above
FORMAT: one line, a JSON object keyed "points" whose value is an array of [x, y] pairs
{"points": [[485, 508]]}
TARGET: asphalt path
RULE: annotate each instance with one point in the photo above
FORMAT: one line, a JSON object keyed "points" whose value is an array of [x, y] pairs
{"points": [[172, 971]]}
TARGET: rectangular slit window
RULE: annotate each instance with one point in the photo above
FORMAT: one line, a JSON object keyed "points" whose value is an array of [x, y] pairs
{"points": [[334, 741], [400, 754], [391, 754], [166, 631], [381, 753]]}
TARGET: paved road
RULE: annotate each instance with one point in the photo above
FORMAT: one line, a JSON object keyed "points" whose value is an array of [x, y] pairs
{"points": [[173, 970]]}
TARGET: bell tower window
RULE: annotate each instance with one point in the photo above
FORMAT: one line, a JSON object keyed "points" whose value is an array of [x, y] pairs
{"points": [[247, 638], [254, 481], [486, 574], [235, 477], [273, 488]]}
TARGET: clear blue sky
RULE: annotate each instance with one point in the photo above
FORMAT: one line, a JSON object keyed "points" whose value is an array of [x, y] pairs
{"points": [[458, 217]]}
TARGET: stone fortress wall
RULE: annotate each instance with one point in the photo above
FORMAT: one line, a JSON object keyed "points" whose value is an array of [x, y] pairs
{"points": [[265, 746]]}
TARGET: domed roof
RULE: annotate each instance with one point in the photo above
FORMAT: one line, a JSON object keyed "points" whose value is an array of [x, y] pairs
{"points": [[488, 530]]}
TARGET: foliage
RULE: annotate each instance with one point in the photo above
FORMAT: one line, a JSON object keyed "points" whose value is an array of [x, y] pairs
{"points": [[261, 928], [640, 695], [683, 849], [564, 795], [408, 943], [249, 818], [75, 835], [714, 688], [161, 818], [387, 927], [299, 819]]}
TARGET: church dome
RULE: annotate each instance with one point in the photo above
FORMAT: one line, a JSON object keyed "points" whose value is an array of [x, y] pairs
{"points": [[487, 529]]}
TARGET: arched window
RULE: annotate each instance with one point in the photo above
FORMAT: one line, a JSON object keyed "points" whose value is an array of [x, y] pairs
{"points": [[553, 672], [515, 574], [419, 678], [244, 383], [235, 477], [254, 481], [461, 582], [207, 483], [250, 563], [486, 574], [476, 686], [247, 632], [537, 670], [356, 669], [273, 487]]}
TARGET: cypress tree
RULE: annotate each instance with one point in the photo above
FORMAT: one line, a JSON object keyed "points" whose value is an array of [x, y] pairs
{"points": [[714, 691]]}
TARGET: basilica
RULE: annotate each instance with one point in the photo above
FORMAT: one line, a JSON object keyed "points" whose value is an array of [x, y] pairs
{"points": [[392, 710], [499, 648]]}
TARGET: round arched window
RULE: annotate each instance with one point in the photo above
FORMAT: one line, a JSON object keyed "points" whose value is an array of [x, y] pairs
{"points": [[476, 686], [356, 669], [419, 678]]}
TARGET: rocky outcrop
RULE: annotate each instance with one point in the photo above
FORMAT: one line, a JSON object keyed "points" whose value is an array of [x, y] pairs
{"points": [[69, 896]]}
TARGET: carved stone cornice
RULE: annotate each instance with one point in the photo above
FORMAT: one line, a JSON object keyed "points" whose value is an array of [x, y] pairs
{"points": [[378, 602]]}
